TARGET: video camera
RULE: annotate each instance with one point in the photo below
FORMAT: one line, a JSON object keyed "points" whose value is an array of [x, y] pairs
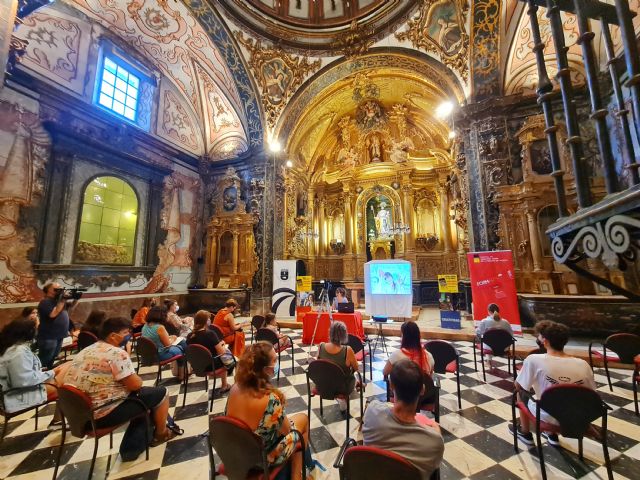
{"points": [[74, 293]]}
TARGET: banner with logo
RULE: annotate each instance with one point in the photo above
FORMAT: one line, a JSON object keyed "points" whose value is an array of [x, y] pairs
{"points": [[448, 283], [493, 281], [283, 298]]}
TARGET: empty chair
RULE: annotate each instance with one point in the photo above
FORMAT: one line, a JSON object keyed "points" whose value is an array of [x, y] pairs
{"points": [[359, 349], [85, 339], [562, 402], [148, 356], [620, 348], [447, 360], [500, 343], [203, 365], [267, 335]]}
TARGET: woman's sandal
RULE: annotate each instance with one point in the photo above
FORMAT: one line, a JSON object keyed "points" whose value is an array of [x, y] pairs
{"points": [[167, 436], [225, 389]]}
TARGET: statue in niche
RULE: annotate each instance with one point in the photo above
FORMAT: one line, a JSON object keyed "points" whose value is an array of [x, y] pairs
{"points": [[379, 219], [301, 204], [374, 145], [383, 220]]}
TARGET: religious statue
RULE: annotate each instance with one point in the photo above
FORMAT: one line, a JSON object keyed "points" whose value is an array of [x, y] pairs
{"points": [[399, 152], [375, 148], [370, 115], [383, 221]]}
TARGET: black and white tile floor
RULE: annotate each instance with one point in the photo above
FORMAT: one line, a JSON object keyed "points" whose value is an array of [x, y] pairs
{"points": [[478, 444]]}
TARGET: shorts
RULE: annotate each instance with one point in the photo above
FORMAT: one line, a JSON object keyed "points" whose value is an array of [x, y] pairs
{"points": [[130, 408]]}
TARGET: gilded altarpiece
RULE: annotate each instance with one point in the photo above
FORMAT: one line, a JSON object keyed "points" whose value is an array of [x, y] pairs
{"points": [[231, 259]]}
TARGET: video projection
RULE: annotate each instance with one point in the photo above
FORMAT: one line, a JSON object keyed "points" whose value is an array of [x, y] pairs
{"points": [[390, 279]]}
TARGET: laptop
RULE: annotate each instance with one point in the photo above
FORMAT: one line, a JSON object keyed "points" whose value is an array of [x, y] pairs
{"points": [[345, 307]]}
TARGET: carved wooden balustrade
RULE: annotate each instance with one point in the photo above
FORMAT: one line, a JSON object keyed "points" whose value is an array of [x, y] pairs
{"points": [[608, 230]]}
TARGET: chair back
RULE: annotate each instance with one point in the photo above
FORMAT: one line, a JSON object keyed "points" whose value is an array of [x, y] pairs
{"points": [[365, 463], [267, 335], [257, 322], [85, 339], [355, 343], [75, 405], [443, 354], [625, 345], [573, 406], [147, 352], [238, 447], [218, 330], [200, 359], [430, 390], [329, 378], [498, 340]]}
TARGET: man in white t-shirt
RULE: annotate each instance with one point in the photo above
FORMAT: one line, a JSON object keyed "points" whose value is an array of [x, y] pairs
{"points": [[541, 371]]}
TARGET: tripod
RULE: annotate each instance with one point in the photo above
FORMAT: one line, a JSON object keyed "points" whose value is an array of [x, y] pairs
{"points": [[324, 307]]}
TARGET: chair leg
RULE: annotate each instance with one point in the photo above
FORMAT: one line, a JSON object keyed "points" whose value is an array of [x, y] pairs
{"points": [[292, 364], [213, 394], [484, 375], [279, 364], [605, 448], [93, 459], [186, 386], [513, 420], [159, 375], [321, 410], [146, 436], [370, 364], [110, 440], [606, 369], [36, 418], [634, 385], [458, 384], [348, 414], [59, 456], [4, 427], [540, 454], [475, 363]]}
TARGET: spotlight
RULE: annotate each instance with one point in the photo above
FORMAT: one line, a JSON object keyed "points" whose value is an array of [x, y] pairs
{"points": [[289, 164], [444, 109], [452, 135], [274, 146]]}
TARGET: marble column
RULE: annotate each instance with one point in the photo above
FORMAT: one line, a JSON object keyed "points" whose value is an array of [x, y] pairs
{"points": [[534, 239], [444, 218]]}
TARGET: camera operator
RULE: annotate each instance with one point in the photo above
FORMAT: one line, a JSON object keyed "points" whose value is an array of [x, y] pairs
{"points": [[54, 323]]}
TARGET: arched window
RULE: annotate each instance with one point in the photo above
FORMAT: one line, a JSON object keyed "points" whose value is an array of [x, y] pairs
{"points": [[108, 223], [546, 216]]}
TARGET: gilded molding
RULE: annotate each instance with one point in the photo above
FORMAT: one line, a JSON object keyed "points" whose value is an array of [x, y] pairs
{"points": [[353, 42]]}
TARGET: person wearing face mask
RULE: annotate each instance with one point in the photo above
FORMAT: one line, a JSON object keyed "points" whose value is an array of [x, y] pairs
{"points": [[178, 326], [106, 374], [262, 407]]}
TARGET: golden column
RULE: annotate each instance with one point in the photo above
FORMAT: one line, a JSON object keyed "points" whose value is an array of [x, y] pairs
{"points": [[534, 240], [235, 252], [348, 221], [310, 222], [322, 230], [444, 217], [409, 216]]}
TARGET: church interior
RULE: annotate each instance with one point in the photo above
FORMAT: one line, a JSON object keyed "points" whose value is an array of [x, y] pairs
{"points": [[176, 150]]}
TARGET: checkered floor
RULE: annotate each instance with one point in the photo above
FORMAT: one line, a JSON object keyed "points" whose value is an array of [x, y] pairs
{"points": [[478, 444]]}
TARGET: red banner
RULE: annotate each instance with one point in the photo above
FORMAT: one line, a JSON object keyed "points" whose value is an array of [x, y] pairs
{"points": [[493, 281]]}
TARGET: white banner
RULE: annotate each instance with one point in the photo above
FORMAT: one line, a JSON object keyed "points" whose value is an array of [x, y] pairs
{"points": [[283, 300]]}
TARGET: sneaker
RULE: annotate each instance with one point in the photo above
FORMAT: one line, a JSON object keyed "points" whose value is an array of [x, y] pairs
{"points": [[342, 404], [526, 438], [552, 438], [55, 425]]}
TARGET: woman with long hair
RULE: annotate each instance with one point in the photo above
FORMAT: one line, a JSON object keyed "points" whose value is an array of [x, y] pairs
{"points": [[155, 329], [261, 406], [180, 326], [232, 332], [140, 317], [411, 348]]}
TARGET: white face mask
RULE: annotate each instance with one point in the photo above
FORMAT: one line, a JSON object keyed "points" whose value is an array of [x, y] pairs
{"points": [[177, 308]]}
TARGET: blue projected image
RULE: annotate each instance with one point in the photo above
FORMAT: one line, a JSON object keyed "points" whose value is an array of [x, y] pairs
{"points": [[391, 279]]}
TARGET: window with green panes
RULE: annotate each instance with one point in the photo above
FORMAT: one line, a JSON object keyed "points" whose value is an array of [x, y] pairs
{"points": [[119, 89], [108, 222]]}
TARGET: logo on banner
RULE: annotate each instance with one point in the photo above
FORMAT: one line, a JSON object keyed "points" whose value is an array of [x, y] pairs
{"points": [[284, 274]]}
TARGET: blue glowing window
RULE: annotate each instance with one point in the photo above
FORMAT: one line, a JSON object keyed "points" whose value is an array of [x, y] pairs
{"points": [[119, 90]]}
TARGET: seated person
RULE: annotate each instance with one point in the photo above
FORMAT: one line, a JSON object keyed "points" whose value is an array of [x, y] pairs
{"points": [[105, 372], [411, 349], [342, 355], [492, 321], [271, 323], [140, 316], [208, 338], [233, 334], [261, 406], [540, 371], [398, 429], [94, 321], [30, 313], [21, 368], [181, 326], [155, 329], [341, 297]]}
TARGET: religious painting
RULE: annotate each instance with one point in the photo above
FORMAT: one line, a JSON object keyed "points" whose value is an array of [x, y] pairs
{"points": [[442, 26], [230, 198], [370, 114], [540, 158], [277, 79], [379, 218]]}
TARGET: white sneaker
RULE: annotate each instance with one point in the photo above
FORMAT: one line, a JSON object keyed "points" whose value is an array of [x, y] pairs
{"points": [[342, 404]]}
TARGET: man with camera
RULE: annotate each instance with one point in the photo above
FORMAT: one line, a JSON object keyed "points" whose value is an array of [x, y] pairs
{"points": [[54, 322]]}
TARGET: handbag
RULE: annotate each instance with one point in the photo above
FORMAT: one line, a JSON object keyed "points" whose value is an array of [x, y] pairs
{"points": [[227, 359]]}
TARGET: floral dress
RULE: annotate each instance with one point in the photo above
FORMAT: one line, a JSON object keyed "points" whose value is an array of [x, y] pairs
{"points": [[279, 447]]}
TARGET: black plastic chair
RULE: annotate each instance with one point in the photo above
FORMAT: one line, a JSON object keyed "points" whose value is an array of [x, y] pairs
{"points": [[148, 356], [574, 407], [635, 380], [203, 365], [85, 339], [623, 348], [501, 344], [447, 360], [241, 451], [358, 347], [9, 415], [430, 400], [256, 324], [330, 382], [77, 410], [368, 462], [268, 335]]}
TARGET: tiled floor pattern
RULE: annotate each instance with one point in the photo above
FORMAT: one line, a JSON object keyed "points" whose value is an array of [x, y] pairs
{"points": [[478, 444]]}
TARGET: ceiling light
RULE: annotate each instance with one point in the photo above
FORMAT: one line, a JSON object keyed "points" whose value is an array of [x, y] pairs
{"points": [[274, 146], [289, 164], [444, 109], [452, 135]]}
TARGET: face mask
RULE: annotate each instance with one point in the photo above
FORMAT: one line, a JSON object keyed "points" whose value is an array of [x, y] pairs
{"points": [[539, 343], [177, 308], [276, 369]]}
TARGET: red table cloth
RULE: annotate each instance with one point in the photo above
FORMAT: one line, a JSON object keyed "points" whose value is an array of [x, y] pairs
{"points": [[353, 321]]}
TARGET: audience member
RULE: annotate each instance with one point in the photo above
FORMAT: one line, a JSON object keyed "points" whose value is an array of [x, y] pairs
{"points": [[341, 297], [31, 313], [271, 323], [21, 369], [261, 406], [168, 345], [182, 326], [410, 348], [398, 429], [140, 317], [233, 334], [492, 321], [105, 373], [55, 325], [94, 322], [342, 355], [541, 371], [208, 338]]}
